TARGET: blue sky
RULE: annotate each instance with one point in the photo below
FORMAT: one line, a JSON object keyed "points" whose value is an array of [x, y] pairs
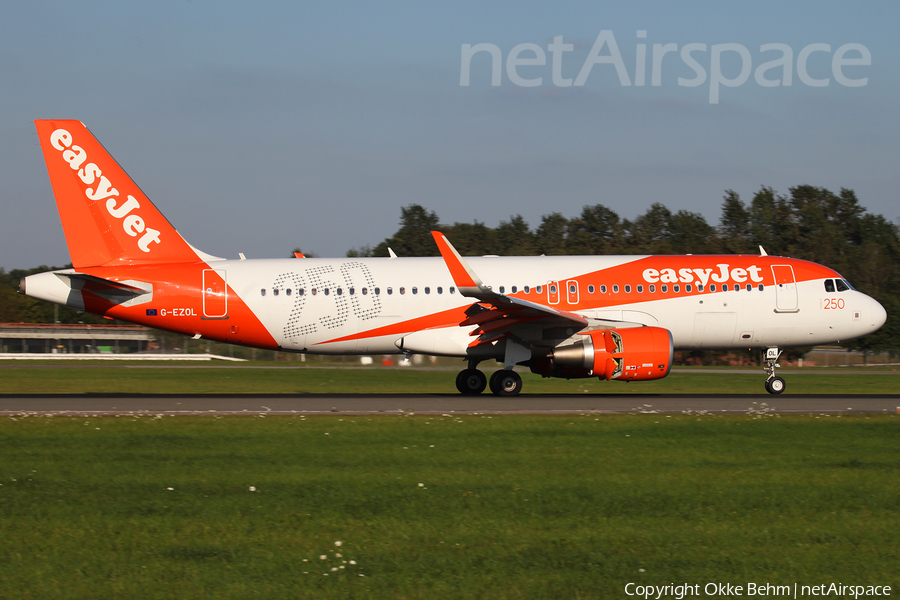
{"points": [[259, 127]]}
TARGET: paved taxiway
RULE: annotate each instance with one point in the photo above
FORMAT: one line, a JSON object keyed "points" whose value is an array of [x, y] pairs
{"points": [[445, 403]]}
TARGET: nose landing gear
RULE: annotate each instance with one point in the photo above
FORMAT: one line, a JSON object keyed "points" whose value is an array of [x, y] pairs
{"points": [[774, 384]]}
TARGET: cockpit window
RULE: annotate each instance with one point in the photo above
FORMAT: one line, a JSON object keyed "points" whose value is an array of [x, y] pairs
{"points": [[829, 285], [842, 286]]}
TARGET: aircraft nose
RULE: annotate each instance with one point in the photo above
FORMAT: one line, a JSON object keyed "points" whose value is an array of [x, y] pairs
{"points": [[874, 314]]}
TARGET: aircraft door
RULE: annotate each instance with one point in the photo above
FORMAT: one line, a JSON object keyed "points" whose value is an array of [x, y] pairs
{"points": [[785, 288], [215, 294]]}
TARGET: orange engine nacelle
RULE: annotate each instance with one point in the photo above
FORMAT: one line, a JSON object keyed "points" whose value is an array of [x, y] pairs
{"points": [[633, 354]]}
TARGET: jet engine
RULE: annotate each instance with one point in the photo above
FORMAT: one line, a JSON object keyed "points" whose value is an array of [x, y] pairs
{"points": [[632, 354]]}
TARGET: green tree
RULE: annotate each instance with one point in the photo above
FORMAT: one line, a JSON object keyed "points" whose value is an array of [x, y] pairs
{"points": [[514, 237], [650, 233], [772, 222], [550, 237], [734, 226], [472, 239], [689, 233], [597, 231], [414, 236]]}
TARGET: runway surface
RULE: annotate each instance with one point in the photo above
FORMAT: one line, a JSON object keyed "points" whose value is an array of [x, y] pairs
{"points": [[444, 403]]}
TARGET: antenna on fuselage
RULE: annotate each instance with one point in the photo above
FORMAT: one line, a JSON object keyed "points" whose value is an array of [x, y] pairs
{"points": [[762, 251]]}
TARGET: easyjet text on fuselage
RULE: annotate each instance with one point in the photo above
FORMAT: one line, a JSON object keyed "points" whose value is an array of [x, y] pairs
{"points": [[723, 273]]}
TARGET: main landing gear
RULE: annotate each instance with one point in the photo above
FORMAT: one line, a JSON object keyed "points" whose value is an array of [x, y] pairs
{"points": [[505, 382], [774, 384], [471, 382]]}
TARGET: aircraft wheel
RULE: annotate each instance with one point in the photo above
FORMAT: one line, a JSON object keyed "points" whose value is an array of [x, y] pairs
{"points": [[506, 383], [775, 385], [470, 382], [493, 384]]}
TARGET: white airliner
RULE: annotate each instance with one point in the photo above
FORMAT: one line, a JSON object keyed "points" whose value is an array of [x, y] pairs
{"points": [[612, 317]]}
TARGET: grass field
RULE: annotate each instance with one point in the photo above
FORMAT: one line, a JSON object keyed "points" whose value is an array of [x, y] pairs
{"points": [[168, 379], [442, 507]]}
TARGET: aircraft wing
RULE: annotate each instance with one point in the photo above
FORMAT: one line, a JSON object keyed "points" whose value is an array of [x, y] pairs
{"points": [[497, 315]]}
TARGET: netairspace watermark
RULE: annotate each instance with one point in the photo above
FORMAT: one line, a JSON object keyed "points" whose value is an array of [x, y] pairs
{"points": [[779, 71], [723, 590]]}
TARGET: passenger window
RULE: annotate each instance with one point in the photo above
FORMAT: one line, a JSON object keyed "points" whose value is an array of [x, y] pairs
{"points": [[514, 289], [552, 289], [699, 287], [590, 289], [842, 285], [616, 288], [415, 290], [340, 291], [502, 289], [527, 289], [403, 290], [377, 291], [602, 289], [351, 291], [427, 290], [652, 288], [288, 291], [300, 291], [440, 290], [262, 292], [627, 289], [688, 288], [724, 287], [365, 291], [760, 286], [326, 291], [452, 290], [640, 289], [538, 289], [664, 288], [275, 292], [749, 287], [676, 288], [314, 291]]}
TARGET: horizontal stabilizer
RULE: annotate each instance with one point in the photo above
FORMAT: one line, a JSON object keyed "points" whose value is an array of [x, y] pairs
{"points": [[103, 283]]}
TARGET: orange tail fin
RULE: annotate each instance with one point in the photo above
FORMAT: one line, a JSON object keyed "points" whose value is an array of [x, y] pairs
{"points": [[107, 219]]}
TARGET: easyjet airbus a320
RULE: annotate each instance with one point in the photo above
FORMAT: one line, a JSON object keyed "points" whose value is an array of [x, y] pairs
{"points": [[612, 317]]}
